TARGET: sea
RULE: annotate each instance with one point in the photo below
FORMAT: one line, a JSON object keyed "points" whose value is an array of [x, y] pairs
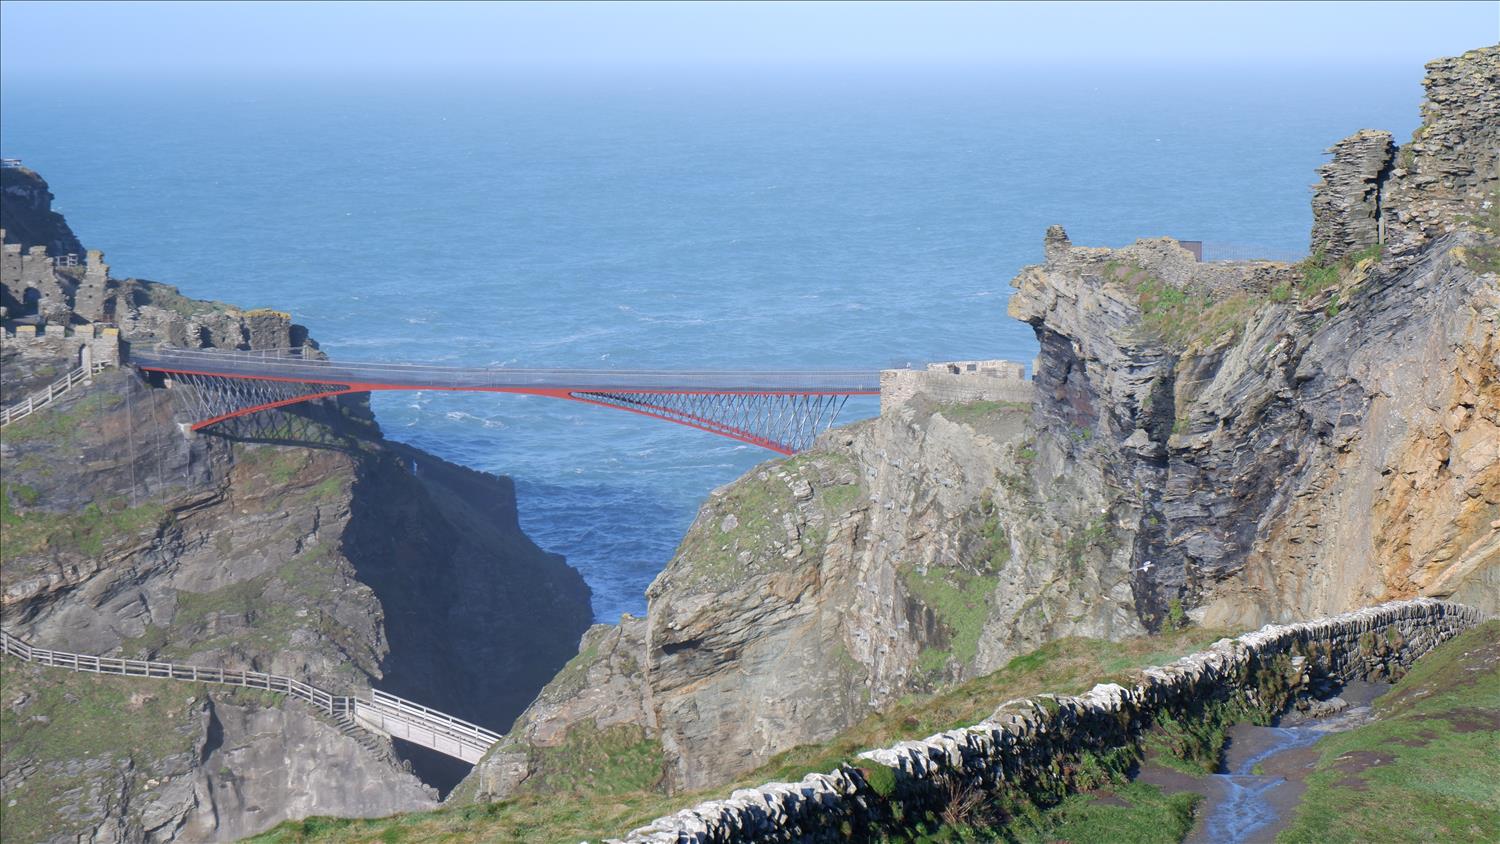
{"points": [[729, 218]]}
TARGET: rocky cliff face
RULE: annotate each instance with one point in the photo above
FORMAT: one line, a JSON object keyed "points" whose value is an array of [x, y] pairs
{"points": [[1228, 443], [296, 542], [29, 218]]}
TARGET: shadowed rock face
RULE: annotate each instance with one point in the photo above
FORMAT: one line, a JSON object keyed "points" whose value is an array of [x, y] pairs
{"points": [[28, 218], [1227, 443], [295, 542]]}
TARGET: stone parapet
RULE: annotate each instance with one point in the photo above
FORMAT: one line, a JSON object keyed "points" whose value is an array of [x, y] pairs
{"points": [[956, 382], [1033, 744]]}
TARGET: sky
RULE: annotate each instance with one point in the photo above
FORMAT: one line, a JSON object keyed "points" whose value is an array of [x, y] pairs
{"points": [[110, 39]]}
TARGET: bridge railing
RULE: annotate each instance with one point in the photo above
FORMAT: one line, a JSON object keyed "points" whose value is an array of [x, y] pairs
{"points": [[457, 726], [401, 718], [383, 712], [284, 364]]}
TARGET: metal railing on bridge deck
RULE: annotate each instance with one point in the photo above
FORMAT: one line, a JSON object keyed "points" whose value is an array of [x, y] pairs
{"points": [[383, 713], [294, 364]]}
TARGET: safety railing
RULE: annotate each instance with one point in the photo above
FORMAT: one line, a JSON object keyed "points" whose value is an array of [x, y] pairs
{"points": [[41, 399], [401, 718], [405, 708], [170, 671], [383, 712], [288, 364]]}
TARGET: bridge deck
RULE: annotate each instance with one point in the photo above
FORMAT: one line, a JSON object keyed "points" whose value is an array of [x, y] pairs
{"points": [[501, 379]]}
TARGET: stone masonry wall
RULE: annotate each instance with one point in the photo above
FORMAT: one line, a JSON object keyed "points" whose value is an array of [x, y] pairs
{"points": [[1031, 744], [898, 386]]}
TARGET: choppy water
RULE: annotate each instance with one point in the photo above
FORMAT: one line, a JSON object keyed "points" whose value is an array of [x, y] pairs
{"points": [[751, 220]]}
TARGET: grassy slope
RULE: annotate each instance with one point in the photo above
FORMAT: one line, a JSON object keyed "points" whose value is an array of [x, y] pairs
{"points": [[1427, 769], [1065, 666], [81, 733], [1121, 813]]}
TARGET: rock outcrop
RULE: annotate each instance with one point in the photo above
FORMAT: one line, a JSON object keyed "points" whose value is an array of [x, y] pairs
{"points": [[1228, 443], [297, 542], [1346, 203]]}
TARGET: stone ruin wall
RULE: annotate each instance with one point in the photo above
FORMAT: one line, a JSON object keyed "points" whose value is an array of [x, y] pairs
{"points": [[992, 380], [1033, 744], [1375, 192]]}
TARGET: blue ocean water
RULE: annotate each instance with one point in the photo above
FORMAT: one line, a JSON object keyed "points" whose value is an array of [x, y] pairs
{"points": [[797, 219]]}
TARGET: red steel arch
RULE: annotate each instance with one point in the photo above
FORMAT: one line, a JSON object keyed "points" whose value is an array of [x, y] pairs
{"points": [[782, 420]]}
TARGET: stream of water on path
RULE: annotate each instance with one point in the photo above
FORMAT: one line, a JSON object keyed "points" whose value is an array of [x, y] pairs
{"points": [[1252, 804]]}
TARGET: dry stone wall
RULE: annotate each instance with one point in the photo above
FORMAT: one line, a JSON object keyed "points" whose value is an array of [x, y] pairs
{"points": [[1031, 745]]}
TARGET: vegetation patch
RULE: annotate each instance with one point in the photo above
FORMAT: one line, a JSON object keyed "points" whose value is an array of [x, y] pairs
{"points": [[1124, 813], [616, 760], [1425, 769], [1182, 317], [61, 423], [750, 516], [1070, 666], [973, 411], [1485, 256], [79, 731], [960, 600], [89, 532]]}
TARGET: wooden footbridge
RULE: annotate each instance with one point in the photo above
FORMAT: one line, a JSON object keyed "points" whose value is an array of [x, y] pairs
{"points": [[381, 713]]}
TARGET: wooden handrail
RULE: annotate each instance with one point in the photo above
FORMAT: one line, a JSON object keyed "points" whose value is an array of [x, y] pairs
{"points": [[413, 722], [38, 400]]}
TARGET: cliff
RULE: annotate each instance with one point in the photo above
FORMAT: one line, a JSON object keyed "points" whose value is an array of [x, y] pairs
{"points": [[297, 542], [1225, 444]]}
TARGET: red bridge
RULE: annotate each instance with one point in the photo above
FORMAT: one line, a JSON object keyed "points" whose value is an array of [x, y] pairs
{"points": [[780, 410]]}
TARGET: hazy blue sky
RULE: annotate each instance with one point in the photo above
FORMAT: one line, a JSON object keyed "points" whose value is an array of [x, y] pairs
{"points": [[264, 38]]}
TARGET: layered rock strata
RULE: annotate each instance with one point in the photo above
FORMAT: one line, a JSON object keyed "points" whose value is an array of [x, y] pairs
{"points": [[1032, 746], [1227, 443], [295, 542]]}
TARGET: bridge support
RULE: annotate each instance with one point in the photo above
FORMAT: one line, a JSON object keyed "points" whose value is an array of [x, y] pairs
{"points": [[785, 415], [782, 422], [211, 399]]}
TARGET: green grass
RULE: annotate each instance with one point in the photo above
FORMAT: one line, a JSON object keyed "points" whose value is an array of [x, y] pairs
{"points": [[960, 600], [71, 718], [758, 505], [1319, 274], [28, 532], [1068, 666], [1484, 257], [61, 423], [841, 498], [617, 760], [972, 411], [1182, 317], [1135, 813], [1426, 769]]}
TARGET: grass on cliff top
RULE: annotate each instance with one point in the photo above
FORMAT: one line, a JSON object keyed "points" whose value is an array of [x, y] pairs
{"points": [[970, 411], [79, 733], [1426, 769], [1068, 666], [1183, 317]]}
